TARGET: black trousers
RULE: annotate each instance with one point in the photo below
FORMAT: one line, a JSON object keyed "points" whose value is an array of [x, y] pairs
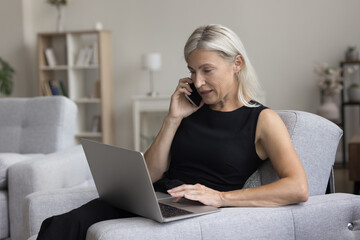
{"points": [[73, 225]]}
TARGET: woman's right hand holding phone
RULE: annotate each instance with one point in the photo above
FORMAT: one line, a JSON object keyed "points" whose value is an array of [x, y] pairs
{"points": [[180, 107]]}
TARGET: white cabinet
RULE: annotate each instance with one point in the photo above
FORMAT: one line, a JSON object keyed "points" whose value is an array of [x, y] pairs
{"points": [[148, 116], [79, 66]]}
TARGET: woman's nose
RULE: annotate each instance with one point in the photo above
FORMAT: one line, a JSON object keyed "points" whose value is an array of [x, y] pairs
{"points": [[198, 81]]}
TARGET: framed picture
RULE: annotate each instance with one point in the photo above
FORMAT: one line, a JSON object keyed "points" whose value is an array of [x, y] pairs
{"points": [[96, 124]]}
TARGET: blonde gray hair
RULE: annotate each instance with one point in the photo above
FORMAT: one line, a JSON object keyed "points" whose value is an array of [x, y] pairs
{"points": [[227, 44]]}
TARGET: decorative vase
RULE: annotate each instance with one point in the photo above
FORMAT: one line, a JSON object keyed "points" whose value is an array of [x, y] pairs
{"points": [[354, 94], [59, 20], [329, 109]]}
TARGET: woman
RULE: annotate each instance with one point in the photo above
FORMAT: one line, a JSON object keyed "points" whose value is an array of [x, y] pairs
{"points": [[223, 75], [206, 153]]}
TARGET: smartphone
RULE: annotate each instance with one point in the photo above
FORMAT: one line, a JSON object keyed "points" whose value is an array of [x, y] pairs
{"points": [[194, 98]]}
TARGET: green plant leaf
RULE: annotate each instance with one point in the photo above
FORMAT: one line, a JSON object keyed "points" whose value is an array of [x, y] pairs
{"points": [[6, 74]]}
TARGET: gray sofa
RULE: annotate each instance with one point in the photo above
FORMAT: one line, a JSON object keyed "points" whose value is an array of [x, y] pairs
{"points": [[31, 130], [323, 216]]}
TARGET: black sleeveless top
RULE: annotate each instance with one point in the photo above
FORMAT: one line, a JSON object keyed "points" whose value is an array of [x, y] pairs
{"points": [[216, 149]]}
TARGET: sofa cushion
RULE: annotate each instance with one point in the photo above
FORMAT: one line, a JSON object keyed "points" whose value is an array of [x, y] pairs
{"points": [[4, 215], [9, 159], [321, 217], [11, 117], [37, 125], [229, 223]]}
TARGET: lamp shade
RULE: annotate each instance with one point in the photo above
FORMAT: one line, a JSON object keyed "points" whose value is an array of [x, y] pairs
{"points": [[152, 61]]}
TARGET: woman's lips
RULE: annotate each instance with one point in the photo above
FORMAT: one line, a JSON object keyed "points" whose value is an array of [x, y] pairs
{"points": [[205, 92]]}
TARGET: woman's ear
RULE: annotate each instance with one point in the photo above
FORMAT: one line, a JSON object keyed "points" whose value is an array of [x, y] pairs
{"points": [[238, 63]]}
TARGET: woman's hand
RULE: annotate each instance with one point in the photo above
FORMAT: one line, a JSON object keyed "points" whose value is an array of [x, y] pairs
{"points": [[199, 193], [180, 107]]}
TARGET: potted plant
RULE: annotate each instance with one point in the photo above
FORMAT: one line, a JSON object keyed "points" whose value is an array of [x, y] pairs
{"points": [[354, 92], [6, 74]]}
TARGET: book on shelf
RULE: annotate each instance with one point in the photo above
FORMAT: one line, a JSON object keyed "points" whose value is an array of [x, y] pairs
{"points": [[50, 57], [96, 123], [62, 88], [87, 56], [56, 88], [81, 57], [46, 89], [95, 57]]}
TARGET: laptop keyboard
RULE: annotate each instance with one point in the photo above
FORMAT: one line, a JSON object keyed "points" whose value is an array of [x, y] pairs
{"points": [[170, 211]]}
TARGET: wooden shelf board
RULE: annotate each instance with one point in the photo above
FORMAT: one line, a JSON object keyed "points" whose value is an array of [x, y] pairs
{"points": [[351, 103], [350, 62], [89, 134], [66, 67], [80, 32], [87, 100], [85, 67], [58, 67]]}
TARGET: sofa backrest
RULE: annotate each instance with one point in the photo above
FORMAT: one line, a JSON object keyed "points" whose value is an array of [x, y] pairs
{"points": [[315, 140], [37, 125]]}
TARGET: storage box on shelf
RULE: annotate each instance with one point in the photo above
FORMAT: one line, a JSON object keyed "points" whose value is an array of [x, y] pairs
{"points": [[79, 65]]}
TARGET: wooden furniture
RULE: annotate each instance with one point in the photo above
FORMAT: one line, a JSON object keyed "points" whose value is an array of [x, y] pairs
{"points": [[354, 161], [143, 106], [345, 103], [79, 66]]}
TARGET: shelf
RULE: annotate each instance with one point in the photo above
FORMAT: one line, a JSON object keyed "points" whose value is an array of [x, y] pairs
{"points": [[80, 32], [89, 135], [344, 104], [58, 67], [85, 67], [87, 100], [350, 103], [65, 67], [350, 62]]}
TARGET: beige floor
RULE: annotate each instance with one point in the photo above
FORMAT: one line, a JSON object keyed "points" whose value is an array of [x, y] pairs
{"points": [[342, 182]]}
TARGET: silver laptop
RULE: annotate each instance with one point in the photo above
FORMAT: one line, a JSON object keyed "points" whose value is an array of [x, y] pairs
{"points": [[122, 179]]}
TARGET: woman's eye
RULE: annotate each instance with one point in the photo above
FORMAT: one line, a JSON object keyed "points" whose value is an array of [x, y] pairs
{"points": [[207, 70]]}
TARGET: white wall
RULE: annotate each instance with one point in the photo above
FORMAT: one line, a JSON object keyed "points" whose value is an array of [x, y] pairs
{"points": [[284, 39], [12, 46]]}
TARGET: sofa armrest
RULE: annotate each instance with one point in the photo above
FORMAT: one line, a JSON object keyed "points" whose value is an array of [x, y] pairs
{"points": [[321, 217], [41, 205], [62, 169]]}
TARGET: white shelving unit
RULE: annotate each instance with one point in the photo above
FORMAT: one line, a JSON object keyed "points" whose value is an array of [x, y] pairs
{"points": [[88, 82]]}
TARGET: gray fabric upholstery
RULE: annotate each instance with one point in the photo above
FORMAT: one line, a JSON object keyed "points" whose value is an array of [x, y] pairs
{"points": [[43, 120], [321, 217], [4, 215], [64, 169], [37, 208], [315, 140], [9, 159], [29, 128], [300, 222]]}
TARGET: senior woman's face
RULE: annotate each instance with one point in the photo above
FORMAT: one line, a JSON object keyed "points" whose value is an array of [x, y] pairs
{"points": [[214, 77]]}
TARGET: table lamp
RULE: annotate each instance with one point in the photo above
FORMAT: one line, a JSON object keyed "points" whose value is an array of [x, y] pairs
{"points": [[152, 62]]}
